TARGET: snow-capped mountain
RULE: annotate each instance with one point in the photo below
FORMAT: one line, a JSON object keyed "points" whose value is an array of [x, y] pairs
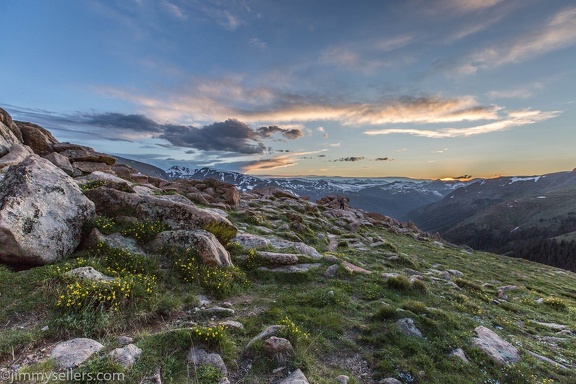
{"points": [[393, 197]]}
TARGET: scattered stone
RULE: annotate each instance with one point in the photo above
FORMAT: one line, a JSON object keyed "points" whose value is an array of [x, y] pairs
{"points": [[498, 349], [279, 349], [124, 340], [269, 331], [455, 272], [209, 248], [389, 380], [297, 268], [233, 325], [407, 327], [459, 353], [389, 275], [354, 268], [42, 213], [279, 258], [72, 353], [203, 301], [331, 271], [45, 328], [216, 312], [199, 357], [508, 288], [501, 295], [553, 326], [126, 356], [88, 273], [342, 379], [296, 377], [547, 360]]}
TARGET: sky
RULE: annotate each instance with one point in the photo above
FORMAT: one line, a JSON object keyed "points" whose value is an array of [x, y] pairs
{"points": [[381, 88]]}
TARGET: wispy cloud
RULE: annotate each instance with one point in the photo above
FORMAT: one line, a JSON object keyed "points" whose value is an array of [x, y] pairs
{"points": [[174, 10], [513, 119], [276, 162], [256, 42], [216, 100], [557, 33], [516, 93]]}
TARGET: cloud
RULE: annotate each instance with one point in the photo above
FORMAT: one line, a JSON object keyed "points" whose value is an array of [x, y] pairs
{"points": [[266, 164], [383, 159], [351, 158], [174, 10], [230, 136], [393, 43], [218, 99], [557, 33], [518, 93], [513, 119], [256, 42], [293, 133]]}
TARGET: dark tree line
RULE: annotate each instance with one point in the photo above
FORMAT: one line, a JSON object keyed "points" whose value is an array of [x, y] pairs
{"points": [[535, 244]]}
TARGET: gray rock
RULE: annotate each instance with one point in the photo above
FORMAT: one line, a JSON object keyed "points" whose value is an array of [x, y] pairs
{"points": [[389, 380], [459, 353], [296, 377], [72, 353], [297, 268], [124, 340], [7, 132], [279, 258], [354, 268], [547, 360], [250, 241], [88, 273], [90, 166], [16, 155], [508, 288], [342, 379], [232, 325], [126, 356], [269, 331], [209, 248], [61, 162], [553, 326], [42, 213], [498, 349], [198, 357], [87, 155], [407, 327], [279, 349], [331, 271], [298, 246], [216, 311]]}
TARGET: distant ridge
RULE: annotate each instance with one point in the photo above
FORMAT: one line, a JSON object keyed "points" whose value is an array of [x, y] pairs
{"points": [[394, 197], [141, 167]]}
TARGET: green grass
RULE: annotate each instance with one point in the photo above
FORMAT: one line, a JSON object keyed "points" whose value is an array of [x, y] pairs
{"points": [[329, 320]]}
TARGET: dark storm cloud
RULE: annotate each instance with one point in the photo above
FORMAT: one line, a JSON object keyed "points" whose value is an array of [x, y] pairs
{"points": [[383, 159], [287, 133], [351, 158], [138, 123], [230, 136]]}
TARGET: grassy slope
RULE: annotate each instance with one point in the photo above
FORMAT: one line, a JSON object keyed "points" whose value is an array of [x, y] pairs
{"points": [[349, 319]]}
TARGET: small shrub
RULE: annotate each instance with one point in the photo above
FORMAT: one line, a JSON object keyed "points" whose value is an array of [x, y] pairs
{"points": [[399, 283], [292, 332], [253, 261], [207, 374], [555, 303], [104, 224], [415, 306], [222, 282], [419, 286], [92, 185], [469, 285], [118, 261], [342, 244], [212, 337], [386, 312], [222, 231]]}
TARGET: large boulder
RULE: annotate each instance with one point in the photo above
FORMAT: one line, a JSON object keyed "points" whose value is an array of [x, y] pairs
{"points": [[209, 248], [72, 353], [17, 154], [42, 212], [88, 155], [177, 215], [39, 139]]}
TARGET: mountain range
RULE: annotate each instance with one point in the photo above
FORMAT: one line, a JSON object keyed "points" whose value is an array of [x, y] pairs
{"points": [[391, 196]]}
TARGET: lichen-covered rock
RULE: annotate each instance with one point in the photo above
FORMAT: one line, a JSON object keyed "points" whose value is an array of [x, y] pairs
{"points": [[279, 349], [92, 166], [72, 353], [275, 258], [209, 248], [407, 327], [177, 215], [42, 212], [8, 130], [296, 377], [88, 154], [39, 139], [199, 357], [88, 273]]}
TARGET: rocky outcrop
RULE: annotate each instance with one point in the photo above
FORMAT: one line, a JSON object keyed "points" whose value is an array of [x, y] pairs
{"points": [[199, 357], [61, 162], [42, 212], [17, 154], [407, 327], [126, 356], [39, 139], [177, 215], [296, 377], [209, 248], [209, 190]]}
